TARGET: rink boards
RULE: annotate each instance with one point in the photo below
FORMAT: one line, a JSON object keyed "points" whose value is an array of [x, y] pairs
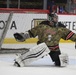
{"points": [[22, 22]]}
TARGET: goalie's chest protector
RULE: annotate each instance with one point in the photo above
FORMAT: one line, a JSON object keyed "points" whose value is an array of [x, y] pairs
{"points": [[48, 33]]}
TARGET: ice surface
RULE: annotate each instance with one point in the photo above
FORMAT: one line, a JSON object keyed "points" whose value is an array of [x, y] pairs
{"points": [[42, 66]]}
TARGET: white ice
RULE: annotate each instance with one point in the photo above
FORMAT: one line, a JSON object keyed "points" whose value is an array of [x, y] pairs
{"points": [[42, 66]]}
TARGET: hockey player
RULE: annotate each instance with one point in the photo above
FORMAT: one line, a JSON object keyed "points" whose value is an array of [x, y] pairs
{"points": [[50, 32]]}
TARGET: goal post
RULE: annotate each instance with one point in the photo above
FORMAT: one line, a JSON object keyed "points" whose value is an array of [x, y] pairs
{"points": [[5, 29]]}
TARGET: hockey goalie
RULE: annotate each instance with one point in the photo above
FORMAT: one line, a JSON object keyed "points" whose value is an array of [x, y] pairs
{"points": [[49, 33]]}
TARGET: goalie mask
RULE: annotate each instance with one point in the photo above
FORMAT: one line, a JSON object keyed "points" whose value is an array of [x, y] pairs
{"points": [[53, 17]]}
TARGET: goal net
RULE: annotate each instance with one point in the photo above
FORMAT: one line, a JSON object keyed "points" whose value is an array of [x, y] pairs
{"points": [[4, 27]]}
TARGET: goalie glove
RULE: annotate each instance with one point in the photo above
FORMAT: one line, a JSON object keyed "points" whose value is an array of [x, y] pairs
{"points": [[21, 36]]}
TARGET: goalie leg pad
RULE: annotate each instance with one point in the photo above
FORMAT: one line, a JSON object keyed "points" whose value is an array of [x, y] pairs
{"points": [[63, 59], [34, 54]]}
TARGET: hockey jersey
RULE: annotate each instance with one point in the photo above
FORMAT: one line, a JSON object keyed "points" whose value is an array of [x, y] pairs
{"points": [[51, 35]]}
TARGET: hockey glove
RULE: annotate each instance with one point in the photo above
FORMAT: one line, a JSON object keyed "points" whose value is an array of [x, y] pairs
{"points": [[21, 36]]}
